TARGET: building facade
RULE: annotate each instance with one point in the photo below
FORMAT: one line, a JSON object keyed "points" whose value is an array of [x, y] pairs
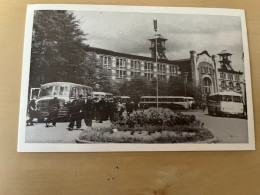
{"points": [[207, 73]]}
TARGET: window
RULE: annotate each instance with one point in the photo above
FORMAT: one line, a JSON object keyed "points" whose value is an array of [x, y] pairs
{"points": [[161, 68], [120, 63], [46, 91], [221, 75], [237, 99], [63, 91], [206, 85], [210, 71], [230, 76], [107, 62], [226, 98], [135, 65], [237, 77], [203, 70], [120, 68], [223, 84], [148, 66], [231, 86], [149, 76], [73, 92], [238, 86]]}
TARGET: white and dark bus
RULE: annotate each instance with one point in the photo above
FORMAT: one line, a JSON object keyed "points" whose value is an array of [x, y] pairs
{"points": [[65, 92], [100, 95], [172, 102], [225, 103]]}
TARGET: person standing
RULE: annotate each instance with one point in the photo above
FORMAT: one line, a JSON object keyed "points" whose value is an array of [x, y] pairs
{"points": [[53, 109], [76, 114], [32, 111], [101, 109], [89, 111]]}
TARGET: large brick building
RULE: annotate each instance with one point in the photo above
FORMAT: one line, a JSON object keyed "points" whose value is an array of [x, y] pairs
{"points": [[208, 73]]}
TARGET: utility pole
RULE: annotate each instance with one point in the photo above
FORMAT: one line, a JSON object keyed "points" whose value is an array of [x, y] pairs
{"points": [[185, 81], [157, 88]]}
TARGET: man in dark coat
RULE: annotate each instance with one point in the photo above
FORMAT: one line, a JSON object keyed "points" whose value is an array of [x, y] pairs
{"points": [[53, 109], [89, 111], [101, 109], [76, 108], [32, 112]]}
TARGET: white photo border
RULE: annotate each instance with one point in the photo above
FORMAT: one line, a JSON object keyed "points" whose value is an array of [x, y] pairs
{"points": [[68, 147]]}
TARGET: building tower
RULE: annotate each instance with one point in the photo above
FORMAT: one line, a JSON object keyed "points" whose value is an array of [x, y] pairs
{"points": [[160, 46], [225, 60]]}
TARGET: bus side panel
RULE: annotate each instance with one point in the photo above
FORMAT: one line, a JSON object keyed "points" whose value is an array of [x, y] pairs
{"points": [[214, 107], [232, 107]]}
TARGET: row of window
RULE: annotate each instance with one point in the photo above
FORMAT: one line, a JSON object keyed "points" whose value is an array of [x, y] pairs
{"points": [[136, 65], [229, 76], [206, 70], [230, 85]]}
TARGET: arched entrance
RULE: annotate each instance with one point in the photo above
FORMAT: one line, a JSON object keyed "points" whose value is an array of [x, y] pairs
{"points": [[206, 86]]}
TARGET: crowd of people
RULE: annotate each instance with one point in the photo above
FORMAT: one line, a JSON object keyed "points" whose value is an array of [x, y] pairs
{"points": [[83, 109]]}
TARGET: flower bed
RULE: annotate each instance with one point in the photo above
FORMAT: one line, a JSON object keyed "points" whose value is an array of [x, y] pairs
{"points": [[151, 126]]}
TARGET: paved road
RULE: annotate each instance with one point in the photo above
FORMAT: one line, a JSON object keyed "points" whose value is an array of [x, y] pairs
{"points": [[226, 129], [59, 134]]}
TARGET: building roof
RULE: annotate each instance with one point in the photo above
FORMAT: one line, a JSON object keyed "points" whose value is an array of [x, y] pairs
{"points": [[131, 56], [229, 71], [224, 52], [63, 83], [227, 93]]}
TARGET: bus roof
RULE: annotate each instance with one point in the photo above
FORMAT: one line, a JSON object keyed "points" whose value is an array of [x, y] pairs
{"points": [[123, 97], [64, 83], [97, 92], [226, 93], [164, 97]]}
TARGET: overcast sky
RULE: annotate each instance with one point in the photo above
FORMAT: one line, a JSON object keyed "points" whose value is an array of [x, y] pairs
{"points": [[129, 33]]}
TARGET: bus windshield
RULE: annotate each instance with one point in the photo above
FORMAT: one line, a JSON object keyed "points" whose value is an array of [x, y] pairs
{"points": [[226, 98], [46, 91], [53, 90]]}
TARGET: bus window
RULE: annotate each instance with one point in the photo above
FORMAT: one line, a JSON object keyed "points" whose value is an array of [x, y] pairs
{"points": [[73, 92], [152, 99], [237, 99], [56, 90], [63, 91], [226, 98], [176, 99], [81, 91], [46, 91]]}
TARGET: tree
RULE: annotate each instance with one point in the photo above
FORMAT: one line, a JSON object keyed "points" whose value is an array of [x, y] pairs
{"points": [[57, 52], [135, 88]]}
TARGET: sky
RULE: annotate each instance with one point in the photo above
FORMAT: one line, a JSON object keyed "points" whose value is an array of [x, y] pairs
{"points": [[129, 33]]}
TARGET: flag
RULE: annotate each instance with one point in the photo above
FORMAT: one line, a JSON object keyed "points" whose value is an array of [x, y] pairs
{"points": [[155, 25]]}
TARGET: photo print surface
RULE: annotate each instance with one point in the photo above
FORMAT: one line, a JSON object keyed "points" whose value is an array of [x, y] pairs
{"points": [[167, 79]]}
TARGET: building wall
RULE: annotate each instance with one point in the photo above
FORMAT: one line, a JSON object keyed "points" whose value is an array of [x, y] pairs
{"points": [[127, 68]]}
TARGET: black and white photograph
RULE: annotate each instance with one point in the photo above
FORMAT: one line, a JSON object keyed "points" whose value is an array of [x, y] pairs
{"points": [[127, 78]]}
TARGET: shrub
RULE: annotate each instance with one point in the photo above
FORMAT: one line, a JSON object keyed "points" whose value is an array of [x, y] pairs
{"points": [[154, 117]]}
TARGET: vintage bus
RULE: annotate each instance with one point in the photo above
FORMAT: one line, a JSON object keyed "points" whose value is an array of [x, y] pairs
{"points": [[172, 102], [123, 99], [100, 95], [65, 92], [225, 103]]}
